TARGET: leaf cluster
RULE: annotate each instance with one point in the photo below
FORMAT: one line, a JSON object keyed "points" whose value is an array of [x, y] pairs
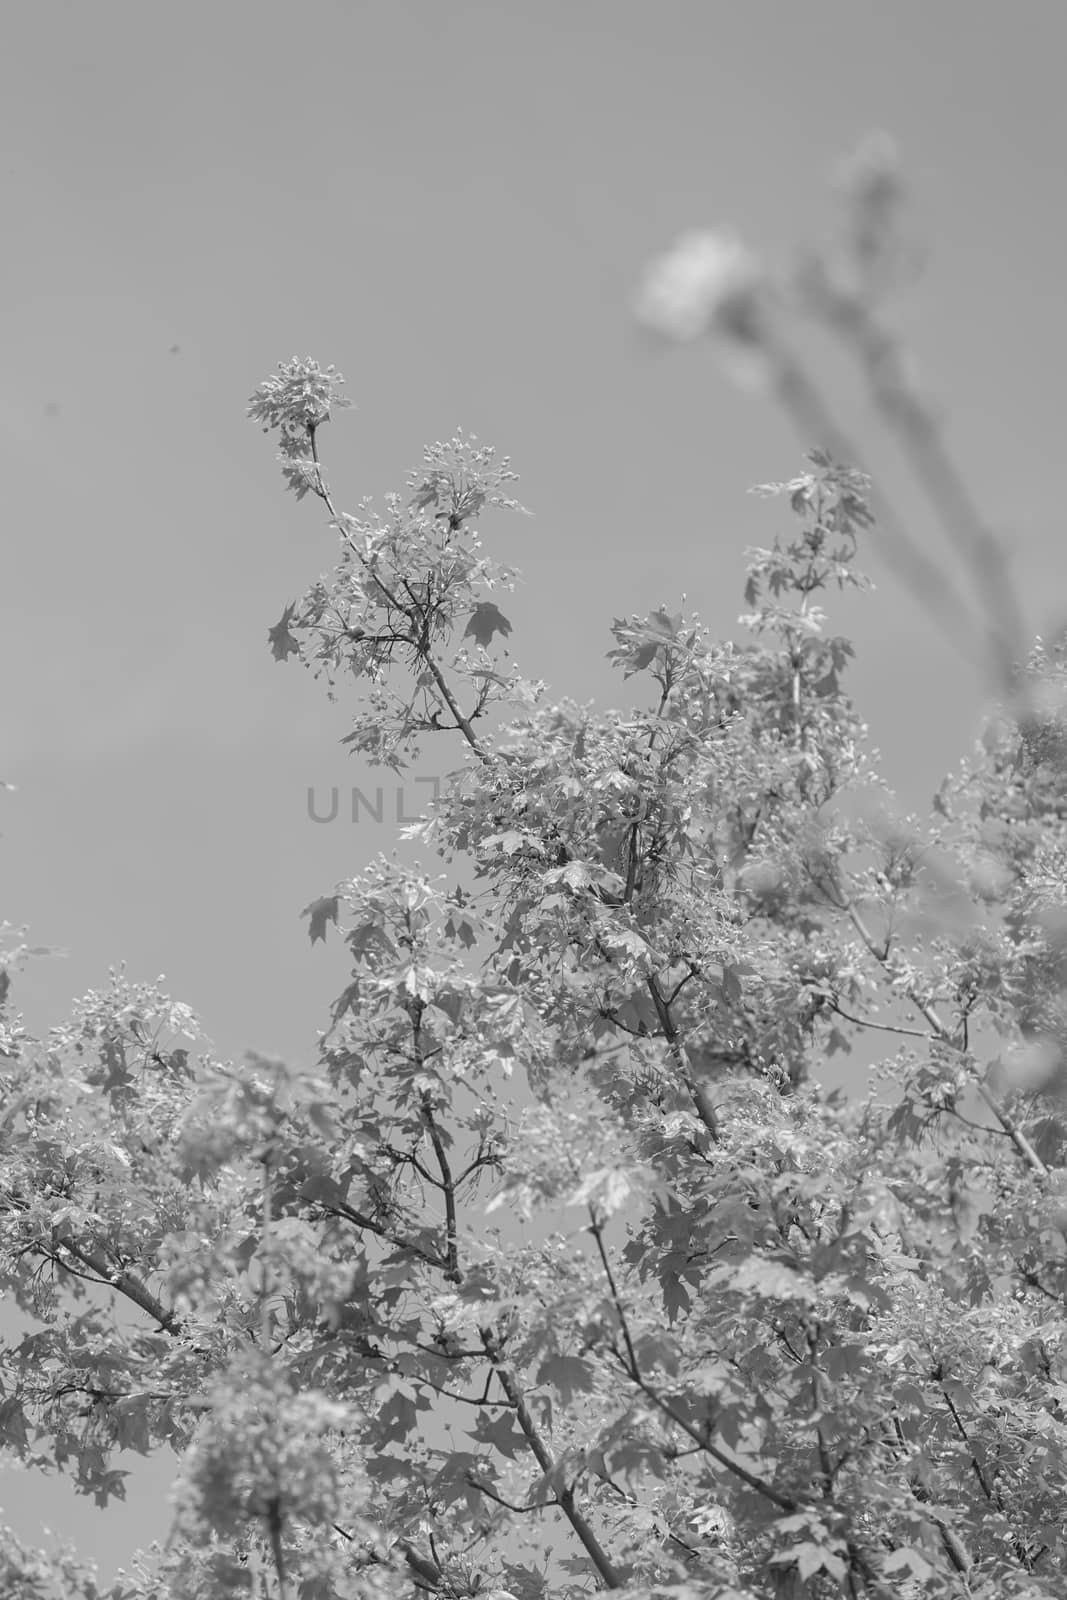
{"points": [[559, 1270]]}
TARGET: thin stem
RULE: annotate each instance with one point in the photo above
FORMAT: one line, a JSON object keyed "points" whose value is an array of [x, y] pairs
{"points": [[596, 1228], [264, 1289], [509, 1505], [274, 1527], [883, 1027], [447, 1184], [360, 1219]]}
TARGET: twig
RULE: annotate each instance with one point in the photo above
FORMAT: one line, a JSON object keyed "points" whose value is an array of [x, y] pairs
{"points": [[945, 1036], [883, 1027]]}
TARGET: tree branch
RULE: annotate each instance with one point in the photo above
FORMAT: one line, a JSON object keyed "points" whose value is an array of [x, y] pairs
{"points": [[610, 1576], [126, 1284]]}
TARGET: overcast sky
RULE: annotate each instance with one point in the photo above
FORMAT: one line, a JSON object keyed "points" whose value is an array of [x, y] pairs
{"points": [[453, 203]]}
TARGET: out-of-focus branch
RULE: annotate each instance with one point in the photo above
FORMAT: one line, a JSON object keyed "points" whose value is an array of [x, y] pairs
{"points": [[917, 429], [804, 404]]}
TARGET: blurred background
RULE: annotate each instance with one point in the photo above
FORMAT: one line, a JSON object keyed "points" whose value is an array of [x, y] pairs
{"points": [[455, 205]]}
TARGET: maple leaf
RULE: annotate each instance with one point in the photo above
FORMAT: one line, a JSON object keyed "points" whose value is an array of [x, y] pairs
{"points": [[321, 912], [113, 1072], [576, 875], [460, 927], [435, 487], [677, 1301], [486, 620], [398, 1415], [282, 642], [109, 1485], [568, 1375], [773, 1280], [607, 1188], [909, 1560], [514, 840], [500, 1432], [626, 940]]}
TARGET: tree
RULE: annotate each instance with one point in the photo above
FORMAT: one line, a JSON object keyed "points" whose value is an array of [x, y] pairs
{"points": [[560, 1271]]}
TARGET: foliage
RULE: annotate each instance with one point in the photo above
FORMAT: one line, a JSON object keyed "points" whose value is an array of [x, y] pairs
{"points": [[559, 1270]]}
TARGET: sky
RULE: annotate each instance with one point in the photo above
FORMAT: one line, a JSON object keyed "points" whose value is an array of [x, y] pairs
{"points": [[455, 205]]}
